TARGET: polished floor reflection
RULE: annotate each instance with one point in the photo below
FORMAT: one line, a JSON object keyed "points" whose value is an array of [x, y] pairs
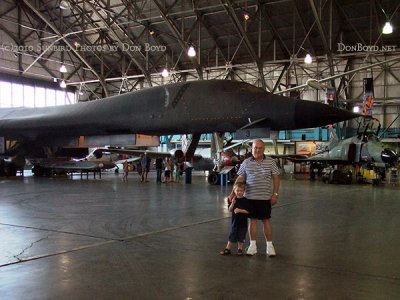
{"points": [[68, 238]]}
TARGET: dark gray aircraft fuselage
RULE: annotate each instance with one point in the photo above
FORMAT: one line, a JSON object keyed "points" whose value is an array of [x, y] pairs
{"points": [[187, 107]]}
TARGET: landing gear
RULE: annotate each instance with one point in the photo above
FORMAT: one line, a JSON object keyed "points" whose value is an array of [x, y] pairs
{"points": [[338, 176], [213, 178], [7, 168], [42, 172]]}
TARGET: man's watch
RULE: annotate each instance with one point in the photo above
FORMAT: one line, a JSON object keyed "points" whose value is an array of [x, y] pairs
{"points": [[276, 194]]}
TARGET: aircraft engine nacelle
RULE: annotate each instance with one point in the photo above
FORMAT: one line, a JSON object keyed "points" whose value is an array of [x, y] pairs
{"points": [[389, 156]]}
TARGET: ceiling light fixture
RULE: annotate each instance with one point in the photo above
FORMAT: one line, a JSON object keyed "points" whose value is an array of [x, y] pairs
{"points": [[64, 4], [388, 28], [63, 85], [165, 73], [246, 16], [191, 52], [308, 59], [356, 109], [63, 69]]}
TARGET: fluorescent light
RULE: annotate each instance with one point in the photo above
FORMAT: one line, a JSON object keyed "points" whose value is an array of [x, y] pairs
{"points": [[63, 69], [308, 59], [388, 28], [64, 4], [165, 73], [191, 52], [63, 85], [356, 109]]}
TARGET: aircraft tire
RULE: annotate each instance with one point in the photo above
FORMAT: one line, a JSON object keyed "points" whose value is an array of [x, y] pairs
{"points": [[213, 178], [349, 177], [11, 170], [38, 171], [335, 176], [48, 172]]}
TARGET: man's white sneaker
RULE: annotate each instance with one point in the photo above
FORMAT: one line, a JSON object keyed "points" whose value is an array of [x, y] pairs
{"points": [[271, 250], [251, 250]]}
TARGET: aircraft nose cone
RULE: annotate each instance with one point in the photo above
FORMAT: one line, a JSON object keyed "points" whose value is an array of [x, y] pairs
{"points": [[389, 156], [309, 114]]}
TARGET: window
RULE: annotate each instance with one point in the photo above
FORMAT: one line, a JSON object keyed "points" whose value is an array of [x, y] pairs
{"points": [[50, 97], [17, 95], [5, 94], [40, 97], [29, 96], [60, 97]]}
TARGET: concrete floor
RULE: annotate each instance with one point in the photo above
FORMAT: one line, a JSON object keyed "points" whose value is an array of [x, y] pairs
{"points": [[105, 239]]}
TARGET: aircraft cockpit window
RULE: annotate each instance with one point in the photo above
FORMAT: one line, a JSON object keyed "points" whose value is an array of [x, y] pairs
{"points": [[369, 127]]}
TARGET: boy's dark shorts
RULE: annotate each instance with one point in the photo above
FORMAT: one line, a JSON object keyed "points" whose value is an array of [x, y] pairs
{"points": [[260, 209], [238, 234]]}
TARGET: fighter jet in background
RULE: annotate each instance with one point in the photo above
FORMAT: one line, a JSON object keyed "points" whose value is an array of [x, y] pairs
{"points": [[363, 150], [187, 107]]}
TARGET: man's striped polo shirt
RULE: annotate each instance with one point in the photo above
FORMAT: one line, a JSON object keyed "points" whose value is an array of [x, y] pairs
{"points": [[258, 177]]}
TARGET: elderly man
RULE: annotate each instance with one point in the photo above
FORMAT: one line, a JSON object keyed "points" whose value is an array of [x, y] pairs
{"points": [[261, 175]]}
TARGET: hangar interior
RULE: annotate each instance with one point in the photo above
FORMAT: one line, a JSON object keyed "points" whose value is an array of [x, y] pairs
{"points": [[67, 238]]}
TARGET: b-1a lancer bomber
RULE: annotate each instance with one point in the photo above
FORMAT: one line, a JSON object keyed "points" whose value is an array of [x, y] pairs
{"points": [[186, 107], [179, 108]]}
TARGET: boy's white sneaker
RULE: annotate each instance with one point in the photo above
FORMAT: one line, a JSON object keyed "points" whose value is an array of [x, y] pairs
{"points": [[251, 250], [271, 250]]}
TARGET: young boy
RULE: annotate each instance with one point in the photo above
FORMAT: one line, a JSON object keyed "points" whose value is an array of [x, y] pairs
{"points": [[239, 206]]}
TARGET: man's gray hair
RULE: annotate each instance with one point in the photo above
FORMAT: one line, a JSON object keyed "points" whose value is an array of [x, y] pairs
{"points": [[258, 140]]}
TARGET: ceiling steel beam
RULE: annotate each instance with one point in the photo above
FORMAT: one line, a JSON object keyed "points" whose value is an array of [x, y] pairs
{"points": [[307, 32], [15, 39], [342, 85], [155, 37], [120, 42], [229, 8], [278, 82], [172, 27], [276, 33], [344, 15], [63, 37], [324, 40]]}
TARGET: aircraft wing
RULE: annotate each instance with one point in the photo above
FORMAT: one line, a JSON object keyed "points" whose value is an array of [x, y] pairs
{"points": [[137, 152], [129, 160], [296, 158], [77, 165]]}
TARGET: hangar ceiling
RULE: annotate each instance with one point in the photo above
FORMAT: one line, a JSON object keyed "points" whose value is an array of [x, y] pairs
{"points": [[113, 46]]}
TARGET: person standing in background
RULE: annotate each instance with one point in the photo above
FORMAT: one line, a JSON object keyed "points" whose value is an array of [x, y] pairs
{"points": [[159, 168]]}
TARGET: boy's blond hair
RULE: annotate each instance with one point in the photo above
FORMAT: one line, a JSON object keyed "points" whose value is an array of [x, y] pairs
{"points": [[239, 185]]}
